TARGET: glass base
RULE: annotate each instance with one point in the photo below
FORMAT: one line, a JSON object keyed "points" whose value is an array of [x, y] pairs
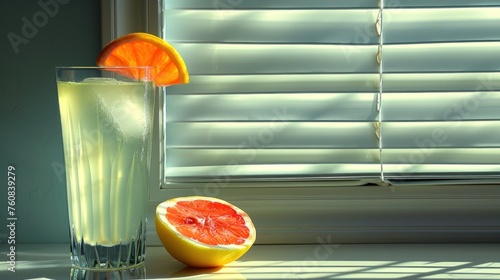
{"points": [[92, 256], [99, 257], [137, 272]]}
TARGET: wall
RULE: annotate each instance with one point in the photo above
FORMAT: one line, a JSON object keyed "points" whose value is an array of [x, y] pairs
{"points": [[36, 36]]}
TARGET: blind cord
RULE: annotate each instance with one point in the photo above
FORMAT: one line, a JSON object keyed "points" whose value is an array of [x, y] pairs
{"points": [[379, 29]]}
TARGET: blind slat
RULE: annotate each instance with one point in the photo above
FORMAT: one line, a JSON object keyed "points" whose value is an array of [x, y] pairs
{"points": [[220, 157], [481, 82], [278, 83], [220, 59], [275, 26], [403, 26], [282, 171], [443, 57], [266, 4], [441, 106], [461, 133], [271, 134], [427, 152], [308, 106], [439, 3]]}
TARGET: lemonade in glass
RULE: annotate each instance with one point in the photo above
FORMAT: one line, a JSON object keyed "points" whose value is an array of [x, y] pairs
{"points": [[106, 121]]}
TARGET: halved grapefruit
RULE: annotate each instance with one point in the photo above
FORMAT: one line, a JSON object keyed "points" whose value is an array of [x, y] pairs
{"points": [[204, 231]]}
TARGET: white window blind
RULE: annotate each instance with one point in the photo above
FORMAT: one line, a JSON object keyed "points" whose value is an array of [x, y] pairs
{"points": [[345, 92], [440, 93]]}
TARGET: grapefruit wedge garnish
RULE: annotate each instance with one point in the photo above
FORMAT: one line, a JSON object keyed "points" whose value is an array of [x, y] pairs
{"points": [[143, 49], [204, 231]]}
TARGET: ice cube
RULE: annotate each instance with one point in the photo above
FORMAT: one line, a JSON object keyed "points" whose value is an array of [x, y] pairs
{"points": [[122, 105]]}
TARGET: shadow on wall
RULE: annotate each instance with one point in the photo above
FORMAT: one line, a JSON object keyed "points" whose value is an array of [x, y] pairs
{"points": [[36, 37]]}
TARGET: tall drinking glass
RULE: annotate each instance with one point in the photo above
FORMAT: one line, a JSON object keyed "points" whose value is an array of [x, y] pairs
{"points": [[106, 120]]}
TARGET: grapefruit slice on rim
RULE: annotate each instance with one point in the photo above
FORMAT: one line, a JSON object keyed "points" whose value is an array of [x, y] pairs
{"points": [[204, 231], [143, 49]]}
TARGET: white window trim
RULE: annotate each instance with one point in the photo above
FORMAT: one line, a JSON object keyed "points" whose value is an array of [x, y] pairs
{"points": [[341, 214]]}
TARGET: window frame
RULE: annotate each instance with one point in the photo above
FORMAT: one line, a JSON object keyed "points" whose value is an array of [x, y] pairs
{"points": [[318, 211]]}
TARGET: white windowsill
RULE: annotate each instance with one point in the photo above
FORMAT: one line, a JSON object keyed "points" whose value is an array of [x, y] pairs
{"points": [[315, 261]]}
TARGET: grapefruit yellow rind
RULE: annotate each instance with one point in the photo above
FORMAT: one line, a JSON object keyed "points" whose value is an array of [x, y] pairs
{"points": [[194, 253], [143, 49]]}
